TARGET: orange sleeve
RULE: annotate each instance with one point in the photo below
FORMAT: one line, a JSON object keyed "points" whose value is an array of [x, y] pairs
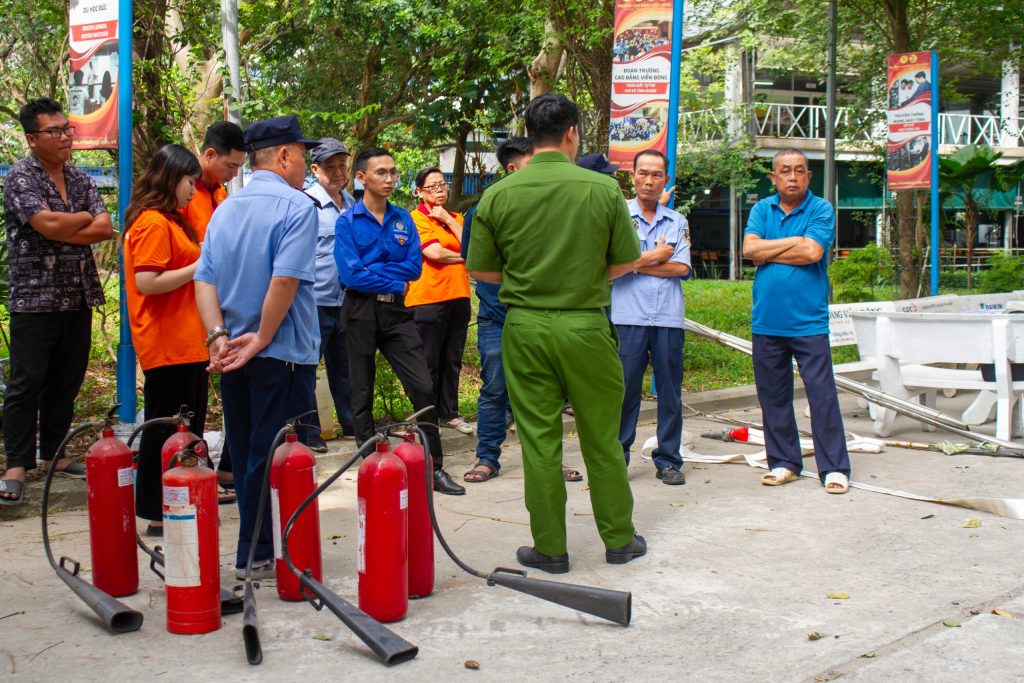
{"points": [[150, 243], [428, 229]]}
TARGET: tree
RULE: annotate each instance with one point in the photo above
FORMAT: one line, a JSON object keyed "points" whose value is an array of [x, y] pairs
{"points": [[959, 174]]}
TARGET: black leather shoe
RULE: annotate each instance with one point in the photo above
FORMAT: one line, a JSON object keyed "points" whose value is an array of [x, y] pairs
{"points": [[672, 476], [317, 444], [632, 550], [443, 483], [530, 557]]}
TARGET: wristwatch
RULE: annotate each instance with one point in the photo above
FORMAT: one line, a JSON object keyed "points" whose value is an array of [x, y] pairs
{"points": [[219, 331]]}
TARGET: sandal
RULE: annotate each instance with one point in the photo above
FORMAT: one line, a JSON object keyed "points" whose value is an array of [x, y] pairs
{"points": [[481, 472], [14, 488], [461, 425], [567, 410], [571, 474], [779, 476], [73, 470], [226, 495], [836, 482]]}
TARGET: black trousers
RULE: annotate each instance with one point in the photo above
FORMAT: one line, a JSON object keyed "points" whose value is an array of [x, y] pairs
{"points": [[49, 355], [166, 390], [388, 326], [442, 327]]}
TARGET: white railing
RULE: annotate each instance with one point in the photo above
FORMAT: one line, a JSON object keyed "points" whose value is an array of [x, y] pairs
{"points": [[807, 121]]}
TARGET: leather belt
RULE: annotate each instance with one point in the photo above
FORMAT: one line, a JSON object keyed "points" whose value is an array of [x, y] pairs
{"points": [[385, 298]]}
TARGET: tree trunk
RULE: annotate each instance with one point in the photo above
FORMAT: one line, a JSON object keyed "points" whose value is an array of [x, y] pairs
{"points": [[544, 68], [909, 257], [459, 168], [971, 220]]}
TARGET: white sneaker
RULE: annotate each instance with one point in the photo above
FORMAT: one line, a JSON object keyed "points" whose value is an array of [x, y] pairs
{"points": [[261, 569]]}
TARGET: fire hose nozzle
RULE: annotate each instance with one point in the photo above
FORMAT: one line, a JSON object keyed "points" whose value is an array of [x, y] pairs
{"points": [[720, 435]]}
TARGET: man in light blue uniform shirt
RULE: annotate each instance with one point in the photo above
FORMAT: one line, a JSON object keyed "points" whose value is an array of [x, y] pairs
{"points": [[648, 312], [786, 237], [330, 166], [254, 291]]}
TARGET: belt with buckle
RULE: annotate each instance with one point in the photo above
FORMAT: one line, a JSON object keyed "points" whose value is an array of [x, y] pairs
{"points": [[387, 298]]}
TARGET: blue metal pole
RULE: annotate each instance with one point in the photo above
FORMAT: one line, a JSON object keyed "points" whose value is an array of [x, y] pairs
{"points": [[935, 174], [672, 130], [125, 351]]}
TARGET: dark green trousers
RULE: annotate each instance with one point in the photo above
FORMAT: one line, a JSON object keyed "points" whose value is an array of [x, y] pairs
{"points": [[551, 356]]}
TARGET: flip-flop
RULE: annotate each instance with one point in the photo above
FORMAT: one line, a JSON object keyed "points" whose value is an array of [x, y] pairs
{"points": [[73, 470], [461, 426], [837, 479], [570, 474], [13, 487], [779, 476], [477, 476], [225, 496]]}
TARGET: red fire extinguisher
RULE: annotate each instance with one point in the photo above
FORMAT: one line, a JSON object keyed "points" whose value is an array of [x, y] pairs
{"points": [[181, 439], [421, 533], [191, 547], [110, 486], [292, 479], [383, 543]]}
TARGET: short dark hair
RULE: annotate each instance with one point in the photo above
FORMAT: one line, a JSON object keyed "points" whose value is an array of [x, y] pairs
{"points": [[223, 138], [363, 159], [650, 153], [29, 114], [548, 117], [514, 149], [920, 74], [788, 151], [422, 176]]}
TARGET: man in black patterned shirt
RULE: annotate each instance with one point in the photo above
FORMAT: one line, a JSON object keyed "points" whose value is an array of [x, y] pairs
{"points": [[53, 214]]}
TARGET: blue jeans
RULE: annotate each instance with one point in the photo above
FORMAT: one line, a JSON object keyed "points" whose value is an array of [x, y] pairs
{"points": [[258, 399], [492, 405], [663, 346]]}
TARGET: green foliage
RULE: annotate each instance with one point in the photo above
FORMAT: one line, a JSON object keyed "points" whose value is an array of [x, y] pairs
{"points": [[389, 399], [1005, 274], [858, 276], [724, 306]]}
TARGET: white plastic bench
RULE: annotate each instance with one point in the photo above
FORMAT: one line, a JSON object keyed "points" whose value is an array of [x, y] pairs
{"points": [[903, 345]]}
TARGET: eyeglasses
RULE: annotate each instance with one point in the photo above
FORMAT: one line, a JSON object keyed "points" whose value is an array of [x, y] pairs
{"points": [[387, 173], [436, 187], [56, 133]]}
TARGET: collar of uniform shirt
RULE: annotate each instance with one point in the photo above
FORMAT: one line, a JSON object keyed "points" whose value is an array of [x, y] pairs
{"points": [[360, 208]]}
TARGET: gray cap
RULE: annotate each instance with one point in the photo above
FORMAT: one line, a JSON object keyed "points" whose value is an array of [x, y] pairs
{"points": [[327, 148]]}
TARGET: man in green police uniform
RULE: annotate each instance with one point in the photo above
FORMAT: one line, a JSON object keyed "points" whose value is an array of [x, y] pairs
{"points": [[553, 235]]}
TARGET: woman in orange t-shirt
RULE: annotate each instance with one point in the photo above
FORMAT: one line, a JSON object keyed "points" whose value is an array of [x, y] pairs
{"points": [[161, 251], [440, 298]]}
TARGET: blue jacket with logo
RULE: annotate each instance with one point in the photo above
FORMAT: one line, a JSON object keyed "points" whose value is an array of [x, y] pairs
{"points": [[377, 258]]}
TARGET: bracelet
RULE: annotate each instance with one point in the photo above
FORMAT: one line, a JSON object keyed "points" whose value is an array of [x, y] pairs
{"points": [[219, 331]]}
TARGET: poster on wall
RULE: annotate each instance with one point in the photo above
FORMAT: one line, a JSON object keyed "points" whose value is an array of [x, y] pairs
{"points": [[92, 109], [909, 115], [641, 74]]}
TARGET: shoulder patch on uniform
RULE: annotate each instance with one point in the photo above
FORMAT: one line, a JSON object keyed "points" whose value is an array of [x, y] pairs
{"points": [[636, 223], [686, 234]]}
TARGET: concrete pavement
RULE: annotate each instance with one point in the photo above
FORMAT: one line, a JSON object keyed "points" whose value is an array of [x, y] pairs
{"points": [[736, 579]]}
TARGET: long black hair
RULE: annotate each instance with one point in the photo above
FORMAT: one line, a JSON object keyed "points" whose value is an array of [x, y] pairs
{"points": [[157, 187]]}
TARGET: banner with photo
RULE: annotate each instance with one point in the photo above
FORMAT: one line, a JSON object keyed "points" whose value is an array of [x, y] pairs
{"points": [[641, 74], [909, 114], [93, 34]]}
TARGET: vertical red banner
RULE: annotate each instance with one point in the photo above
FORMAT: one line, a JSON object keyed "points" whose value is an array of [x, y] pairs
{"points": [[909, 114], [93, 36], [641, 74]]}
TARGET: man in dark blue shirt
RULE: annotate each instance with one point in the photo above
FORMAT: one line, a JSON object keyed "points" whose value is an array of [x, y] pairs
{"points": [[377, 249]]}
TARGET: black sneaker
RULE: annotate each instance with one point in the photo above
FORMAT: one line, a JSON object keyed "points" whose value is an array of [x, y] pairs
{"points": [[632, 550], [317, 444], [672, 476], [532, 558], [443, 483]]}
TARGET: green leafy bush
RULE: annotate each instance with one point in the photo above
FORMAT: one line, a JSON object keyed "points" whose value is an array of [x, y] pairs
{"points": [[1005, 274], [859, 276]]}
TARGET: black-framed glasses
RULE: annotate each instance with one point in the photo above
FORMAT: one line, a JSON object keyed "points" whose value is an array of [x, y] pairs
{"points": [[55, 132]]}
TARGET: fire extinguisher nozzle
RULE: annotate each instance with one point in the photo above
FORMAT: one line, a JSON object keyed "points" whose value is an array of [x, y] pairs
{"points": [[388, 646], [116, 616], [251, 625], [608, 604]]}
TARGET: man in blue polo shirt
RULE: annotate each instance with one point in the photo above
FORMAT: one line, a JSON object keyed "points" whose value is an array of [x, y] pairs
{"points": [[330, 166], [648, 312], [377, 249], [254, 291], [786, 237]]}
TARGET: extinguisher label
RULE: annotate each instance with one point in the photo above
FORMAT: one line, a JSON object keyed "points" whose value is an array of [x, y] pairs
{"points": [[403, 499], [361, 554], [125, 476], [181, 545], [176, 495], [275, 511]]}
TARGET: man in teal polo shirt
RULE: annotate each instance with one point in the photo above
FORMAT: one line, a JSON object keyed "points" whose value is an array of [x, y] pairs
{"points": [[553, 235]]}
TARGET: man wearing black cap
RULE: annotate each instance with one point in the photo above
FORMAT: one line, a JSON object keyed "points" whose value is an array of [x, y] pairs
{"points": [[330, 165], [254, 290]]}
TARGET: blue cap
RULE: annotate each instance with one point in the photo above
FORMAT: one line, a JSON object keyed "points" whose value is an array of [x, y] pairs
{"points": [[277, 131], [597, 162], [327, 148]]}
